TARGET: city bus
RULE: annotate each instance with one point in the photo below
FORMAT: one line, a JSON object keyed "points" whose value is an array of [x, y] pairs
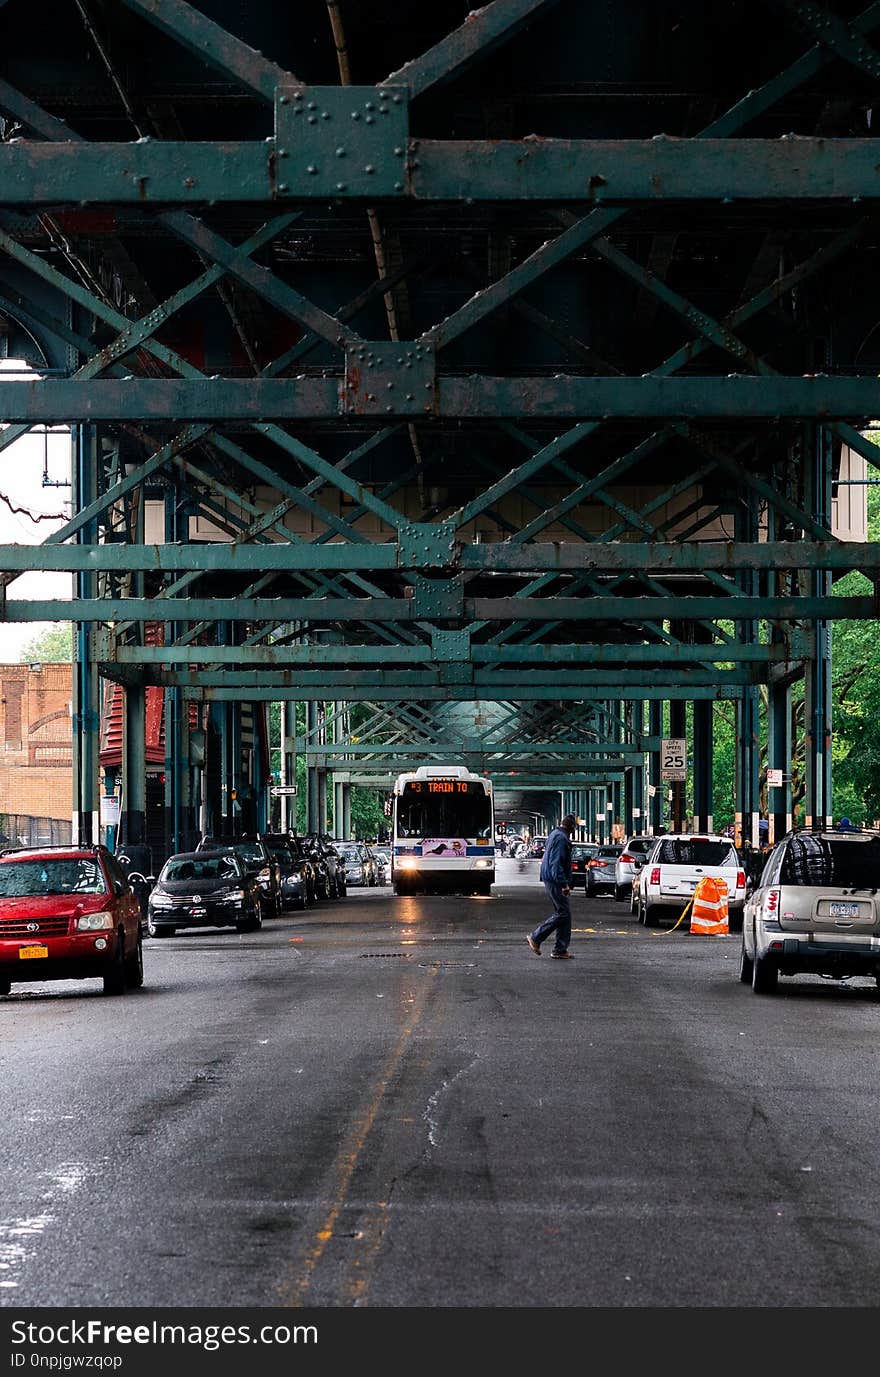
{"points": [[443, 831]]}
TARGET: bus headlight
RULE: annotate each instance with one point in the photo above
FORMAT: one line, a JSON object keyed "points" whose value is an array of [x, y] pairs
{"points": [[481, 864], [408, 863]]}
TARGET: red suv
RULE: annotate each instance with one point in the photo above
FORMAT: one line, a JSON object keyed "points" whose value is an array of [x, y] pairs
{"points": [[68, 913]]}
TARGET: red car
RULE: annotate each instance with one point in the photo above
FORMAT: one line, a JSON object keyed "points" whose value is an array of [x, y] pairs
{"points": [[68, 913]]}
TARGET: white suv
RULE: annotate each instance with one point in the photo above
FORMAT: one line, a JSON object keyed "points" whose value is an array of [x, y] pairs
{"points": [[816, 909], [674, 867]]}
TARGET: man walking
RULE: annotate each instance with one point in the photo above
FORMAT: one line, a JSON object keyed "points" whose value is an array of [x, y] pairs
{"points": [[556, 875]]}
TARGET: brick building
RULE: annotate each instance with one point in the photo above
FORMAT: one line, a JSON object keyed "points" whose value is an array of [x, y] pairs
{"points": [[36, 755]]}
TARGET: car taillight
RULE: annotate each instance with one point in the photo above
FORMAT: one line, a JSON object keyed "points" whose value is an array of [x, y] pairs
{"points": [[655, 876], [771, 900], [596, 862], [627, 860], [740, 879]]}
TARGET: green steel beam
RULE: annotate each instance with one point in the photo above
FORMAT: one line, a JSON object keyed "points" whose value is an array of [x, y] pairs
{"points": [[612, 172], [481, 32], [737, 397], [280, 556], [451, 693], [211, 43], [320, 608]]}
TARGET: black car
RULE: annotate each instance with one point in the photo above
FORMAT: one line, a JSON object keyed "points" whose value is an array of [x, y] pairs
{"points": [[298, 887], [581, 855], [258, 861], [602, 871], [204, 889]]}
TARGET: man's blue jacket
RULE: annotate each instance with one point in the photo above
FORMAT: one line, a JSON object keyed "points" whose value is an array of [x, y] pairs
{"points": [[556, 864]]}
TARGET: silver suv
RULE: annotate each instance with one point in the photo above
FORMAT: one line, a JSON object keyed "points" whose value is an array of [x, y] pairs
{"points": [[816, 909], [635, 850]]}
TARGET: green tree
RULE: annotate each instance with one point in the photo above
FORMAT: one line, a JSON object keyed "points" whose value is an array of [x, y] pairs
{"points": [[51, 647]]}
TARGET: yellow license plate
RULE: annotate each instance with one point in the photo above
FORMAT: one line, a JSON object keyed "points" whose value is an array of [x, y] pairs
{"points": [[28, 953]]}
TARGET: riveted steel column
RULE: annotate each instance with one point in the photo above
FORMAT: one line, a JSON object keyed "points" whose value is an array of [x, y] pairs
{"points": [[637, 772], [134, 770], [703, 752], [312, 801], [748, 757], [176, 735], [779, 758], [678, 728], [346, 812], [288, 764], [132, 820], [85, 723], [817, 685], [655, 800]]}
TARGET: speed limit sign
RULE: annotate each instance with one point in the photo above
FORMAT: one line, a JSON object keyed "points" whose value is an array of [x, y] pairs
{"points": [[673, 758]]}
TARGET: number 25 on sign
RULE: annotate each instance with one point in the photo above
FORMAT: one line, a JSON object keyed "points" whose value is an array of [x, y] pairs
{"points": [[673, 758]]}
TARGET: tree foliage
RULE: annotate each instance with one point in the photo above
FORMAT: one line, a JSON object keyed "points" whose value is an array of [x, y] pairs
{"points": [[50, 647]]}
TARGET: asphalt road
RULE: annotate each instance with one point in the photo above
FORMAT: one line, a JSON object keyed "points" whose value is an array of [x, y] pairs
{"points": [[391, 1103]]}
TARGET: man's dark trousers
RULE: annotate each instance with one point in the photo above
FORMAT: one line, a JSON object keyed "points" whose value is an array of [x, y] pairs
{"points": [[559, 920]]}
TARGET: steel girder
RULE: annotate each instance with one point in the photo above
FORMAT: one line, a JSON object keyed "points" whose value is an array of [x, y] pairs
{"points": [[318, 472]]}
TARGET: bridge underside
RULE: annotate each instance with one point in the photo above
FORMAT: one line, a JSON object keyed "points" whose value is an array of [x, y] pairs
{"points": [[506, 372]]}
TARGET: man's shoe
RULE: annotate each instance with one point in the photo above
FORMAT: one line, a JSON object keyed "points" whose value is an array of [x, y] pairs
{"points": [[533, 944], [563, 955]]}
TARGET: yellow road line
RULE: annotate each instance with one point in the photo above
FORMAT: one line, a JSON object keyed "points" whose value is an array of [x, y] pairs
{"points": [[349, 1154]]}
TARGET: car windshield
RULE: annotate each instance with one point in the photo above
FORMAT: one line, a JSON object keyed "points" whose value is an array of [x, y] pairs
{"points": [[696, 851], [578, 852], [32, 878], [251, 853], [608, 851], [179, 869], [831, 862], [350, 854]]}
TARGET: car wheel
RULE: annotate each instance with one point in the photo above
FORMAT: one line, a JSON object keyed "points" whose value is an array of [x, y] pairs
{"points": [[302, 901], [159, 929], [6, 986], [252, 923], [134, 966], [745, 964], [633, 903], [311, 894], [765, 974], [114, 976], [620, 893], [652, 915]]}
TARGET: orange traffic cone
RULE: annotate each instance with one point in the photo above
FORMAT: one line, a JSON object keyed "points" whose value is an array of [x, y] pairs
{"points": [[709, 912]]}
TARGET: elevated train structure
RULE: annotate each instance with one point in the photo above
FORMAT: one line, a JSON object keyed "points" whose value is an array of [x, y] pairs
{"points": [[508, 371]]}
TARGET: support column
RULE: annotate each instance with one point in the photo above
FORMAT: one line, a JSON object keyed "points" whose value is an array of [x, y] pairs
{"points": [[703, 757], [311, 770], [817, 688], [748, 743], [85, 715], [655, 800], [288, 765], [346, 812], [779, 758], [132, 822], [678, 728]]}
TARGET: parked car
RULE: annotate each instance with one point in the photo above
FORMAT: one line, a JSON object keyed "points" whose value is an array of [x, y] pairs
{"points": [[675, 865], [581, 854], [360, 867], [258, 861], [68, 913], [205, 889], [635, 850], [600, 871], [330, 870], [383, 864], [296, 867], [816, 909]]}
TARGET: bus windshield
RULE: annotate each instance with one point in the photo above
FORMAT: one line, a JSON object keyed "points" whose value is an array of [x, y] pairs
{"points": [[462, 810]]}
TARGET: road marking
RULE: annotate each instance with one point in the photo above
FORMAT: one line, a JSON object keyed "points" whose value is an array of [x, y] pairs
{"points": [[343, 1169]]}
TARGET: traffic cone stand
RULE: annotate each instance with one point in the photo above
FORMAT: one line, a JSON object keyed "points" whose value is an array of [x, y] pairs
{"points": [[709, 912]]}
